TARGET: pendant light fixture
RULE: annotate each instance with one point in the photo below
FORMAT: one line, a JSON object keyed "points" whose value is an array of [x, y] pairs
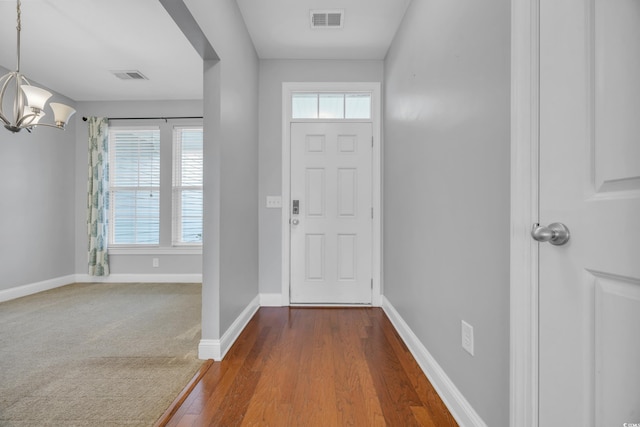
{"points": [[28, 101]]}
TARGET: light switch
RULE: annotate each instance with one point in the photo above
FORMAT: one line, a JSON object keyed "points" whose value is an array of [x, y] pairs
{"points": [[274, 202]]}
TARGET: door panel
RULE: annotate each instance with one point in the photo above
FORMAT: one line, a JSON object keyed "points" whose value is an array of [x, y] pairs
{"points": [[314, 194], [617, 344], [331, 236], [589, 180], [617, 104], [347, 192], [314, 249], [347, 256]]}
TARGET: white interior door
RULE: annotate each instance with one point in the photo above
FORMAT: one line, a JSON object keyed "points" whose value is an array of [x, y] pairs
{"points": [[590, 180], [331, 225]]}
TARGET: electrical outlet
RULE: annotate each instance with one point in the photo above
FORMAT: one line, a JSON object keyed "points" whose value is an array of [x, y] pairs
{"points": [[155, 262], [274, 202], [467, 337]]}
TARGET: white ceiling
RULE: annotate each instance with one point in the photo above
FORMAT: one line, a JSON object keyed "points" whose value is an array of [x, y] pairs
{"points": [[70, 46], [281, 28]]}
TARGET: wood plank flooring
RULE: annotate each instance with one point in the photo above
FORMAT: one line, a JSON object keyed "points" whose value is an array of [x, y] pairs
{"points": [[315, 367]]}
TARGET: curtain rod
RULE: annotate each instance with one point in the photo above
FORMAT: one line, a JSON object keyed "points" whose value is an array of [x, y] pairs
{"points": [[148, 118]]}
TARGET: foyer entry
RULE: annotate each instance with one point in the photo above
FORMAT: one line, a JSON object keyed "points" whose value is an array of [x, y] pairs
{"points": [[331, 194]]}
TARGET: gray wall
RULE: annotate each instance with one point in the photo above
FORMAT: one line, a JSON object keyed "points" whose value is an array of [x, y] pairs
{"points": [[36, 202], [446, 190], [272, 74], [230, 272], [127, 264]]}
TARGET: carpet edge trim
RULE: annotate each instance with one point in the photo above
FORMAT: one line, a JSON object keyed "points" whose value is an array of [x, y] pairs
{"points": [[183, 395]]}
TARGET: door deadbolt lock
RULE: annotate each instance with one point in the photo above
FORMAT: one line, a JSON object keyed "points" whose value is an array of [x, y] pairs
{"points": [[296, 207]]}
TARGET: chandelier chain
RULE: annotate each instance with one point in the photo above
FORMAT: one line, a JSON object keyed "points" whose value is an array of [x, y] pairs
{"points": [[18, 28]]}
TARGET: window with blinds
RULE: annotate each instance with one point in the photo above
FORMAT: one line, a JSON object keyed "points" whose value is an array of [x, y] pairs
{"points": [[134, 186], [187, 186]]}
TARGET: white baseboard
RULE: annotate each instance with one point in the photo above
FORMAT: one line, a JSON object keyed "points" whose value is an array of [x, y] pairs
{"points": [[461, 410], [45, 285], [34, 288], [140, 278], [276, 300], [271, 300], [209, 349], [217, 349]]}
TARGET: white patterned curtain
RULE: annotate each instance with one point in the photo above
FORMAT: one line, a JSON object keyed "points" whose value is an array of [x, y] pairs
{"points": [[98, 196]]}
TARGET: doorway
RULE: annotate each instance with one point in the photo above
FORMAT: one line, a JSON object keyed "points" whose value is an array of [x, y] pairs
{"points": [[574, 306], [341, 263], [331, 221]]}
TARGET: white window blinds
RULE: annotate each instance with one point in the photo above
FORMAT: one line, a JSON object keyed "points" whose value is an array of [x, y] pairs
{"points": [[134, 186], [187, 185]]}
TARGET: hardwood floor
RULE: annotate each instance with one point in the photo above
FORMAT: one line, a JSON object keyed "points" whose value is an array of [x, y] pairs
{"points": [[315, 367]]}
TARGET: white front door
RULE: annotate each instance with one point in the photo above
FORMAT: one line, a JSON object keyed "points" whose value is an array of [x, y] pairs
{"points": [[331, 205], [589, 336]]}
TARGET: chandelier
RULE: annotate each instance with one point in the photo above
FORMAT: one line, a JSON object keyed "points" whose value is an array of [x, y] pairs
{"points": [[28, 101]]}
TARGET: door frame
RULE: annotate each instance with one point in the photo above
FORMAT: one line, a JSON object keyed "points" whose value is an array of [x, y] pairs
{"points": [[524, 262], [288, 88]]}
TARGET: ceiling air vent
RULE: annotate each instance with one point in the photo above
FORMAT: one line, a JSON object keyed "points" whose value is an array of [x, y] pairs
{"points": [[129, 75], [327, 18]]}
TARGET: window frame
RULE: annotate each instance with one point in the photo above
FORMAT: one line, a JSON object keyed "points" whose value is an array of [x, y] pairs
{"points": [[113, 189], [344, 95], [177, 189], [165, 245]]}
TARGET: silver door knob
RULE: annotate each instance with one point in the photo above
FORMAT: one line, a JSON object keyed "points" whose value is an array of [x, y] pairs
{"points": [[556, 233], [295, 221]]}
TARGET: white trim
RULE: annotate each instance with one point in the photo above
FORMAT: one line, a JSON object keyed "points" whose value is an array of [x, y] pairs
{"points": [[140, 278], [209, 349], [270, 300], [217, 349], [322, 305], [461, 410], [45, 285], [177, 250], [330, 120], [525, 63], [376, 117], [34, 288]]}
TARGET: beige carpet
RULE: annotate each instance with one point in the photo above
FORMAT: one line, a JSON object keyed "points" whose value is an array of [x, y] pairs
{"points": [[97, 354]]}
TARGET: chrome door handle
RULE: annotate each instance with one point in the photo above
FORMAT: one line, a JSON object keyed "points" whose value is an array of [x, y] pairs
{"points": [[295, 221], [556, 233]]}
